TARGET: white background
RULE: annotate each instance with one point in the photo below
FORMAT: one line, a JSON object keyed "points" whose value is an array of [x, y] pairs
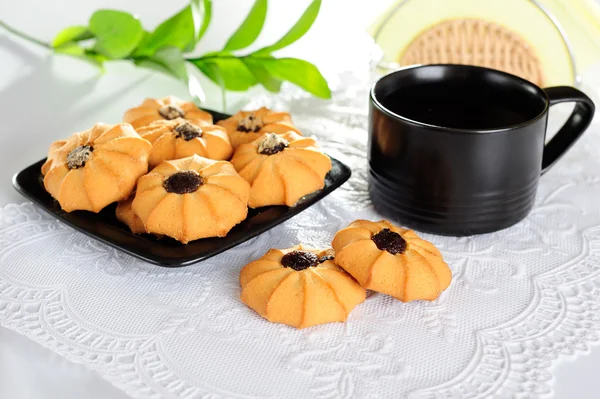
{"points": [[43, 98]]}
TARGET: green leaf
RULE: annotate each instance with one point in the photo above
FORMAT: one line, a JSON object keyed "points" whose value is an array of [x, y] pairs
{"points": [[182, 30], [93, 55], [169, 60], [200, 10], [172, 59], [231, 72], [211, 70], [71, 34], [178, 31], [262, 75], [74, 50], [141, 51], [70, 48], [197, 13], [249, 30], [206, 19], [216, 54], [298, 30], [117, 33], [96, 59], [154, 65], [299, 72]]}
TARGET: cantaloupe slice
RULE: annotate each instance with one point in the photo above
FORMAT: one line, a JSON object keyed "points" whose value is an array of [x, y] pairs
{"points": [[403, 23]]}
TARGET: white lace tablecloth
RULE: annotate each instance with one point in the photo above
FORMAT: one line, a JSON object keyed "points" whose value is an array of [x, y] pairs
{"points": [[520, 299]]}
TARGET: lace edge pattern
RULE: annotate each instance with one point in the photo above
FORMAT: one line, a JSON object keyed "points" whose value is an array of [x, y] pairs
{"points": [[510, 360]]}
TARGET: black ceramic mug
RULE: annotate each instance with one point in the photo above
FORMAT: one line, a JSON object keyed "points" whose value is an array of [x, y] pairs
{"points": [[459, 150]]}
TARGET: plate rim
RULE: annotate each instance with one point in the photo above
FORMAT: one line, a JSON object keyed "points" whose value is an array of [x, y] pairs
{"points": [[170, 262]]}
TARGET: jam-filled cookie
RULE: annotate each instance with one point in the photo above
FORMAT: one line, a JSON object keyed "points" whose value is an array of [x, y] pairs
{"points": [[94, 168], [281, 168], [247, 126], [126, 215], [168, 108], [191, 198], [391, 260], [300, 287], [179, 138]]}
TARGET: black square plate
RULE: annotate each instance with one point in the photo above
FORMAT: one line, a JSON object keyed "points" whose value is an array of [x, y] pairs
{"points": [[167, 252]]}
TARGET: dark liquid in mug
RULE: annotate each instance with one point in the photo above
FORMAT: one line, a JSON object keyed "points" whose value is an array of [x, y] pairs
{"points": [[459, 114], [461, 106]]}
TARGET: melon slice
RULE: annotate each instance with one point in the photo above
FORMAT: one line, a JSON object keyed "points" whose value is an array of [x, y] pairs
{"points": [[520, 37]]}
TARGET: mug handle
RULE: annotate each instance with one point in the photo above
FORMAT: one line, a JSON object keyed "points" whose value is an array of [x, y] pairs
{"points": [[579, 120]]}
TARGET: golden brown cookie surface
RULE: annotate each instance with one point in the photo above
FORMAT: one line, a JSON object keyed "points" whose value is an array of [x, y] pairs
{"points": [[179, 138], [300, 287], [247, 126], [168, 108], [281, 168], [391, 260], [191, 198], [94, 168]]}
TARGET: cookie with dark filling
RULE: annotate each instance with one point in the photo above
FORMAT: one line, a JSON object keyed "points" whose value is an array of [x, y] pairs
{"points": [[391, 260], [94, 168], [281, 168], [299, 286], [125, 214], [191, 198], [166, 109], [247, 126], [180, 138]]}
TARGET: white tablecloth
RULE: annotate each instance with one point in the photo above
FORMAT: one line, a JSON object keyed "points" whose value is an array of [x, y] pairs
{"points": [[519, 299]]}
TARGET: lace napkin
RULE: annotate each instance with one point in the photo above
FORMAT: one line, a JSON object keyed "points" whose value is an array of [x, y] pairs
{"points": [[519, 300]]}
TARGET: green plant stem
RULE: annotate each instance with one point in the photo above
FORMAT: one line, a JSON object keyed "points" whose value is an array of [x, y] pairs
{"points": [[223, 56], [224, 98], [32, 39], [211, 57], [24, 35]]}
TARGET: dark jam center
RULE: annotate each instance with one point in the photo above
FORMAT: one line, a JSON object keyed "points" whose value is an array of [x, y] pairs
{"points": [[273, 150], [327, 255], [387, 240], [187, 131], [171, 112], [272, 144], [183, 182], [299, 260], [250, 124], [79, 156]]}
